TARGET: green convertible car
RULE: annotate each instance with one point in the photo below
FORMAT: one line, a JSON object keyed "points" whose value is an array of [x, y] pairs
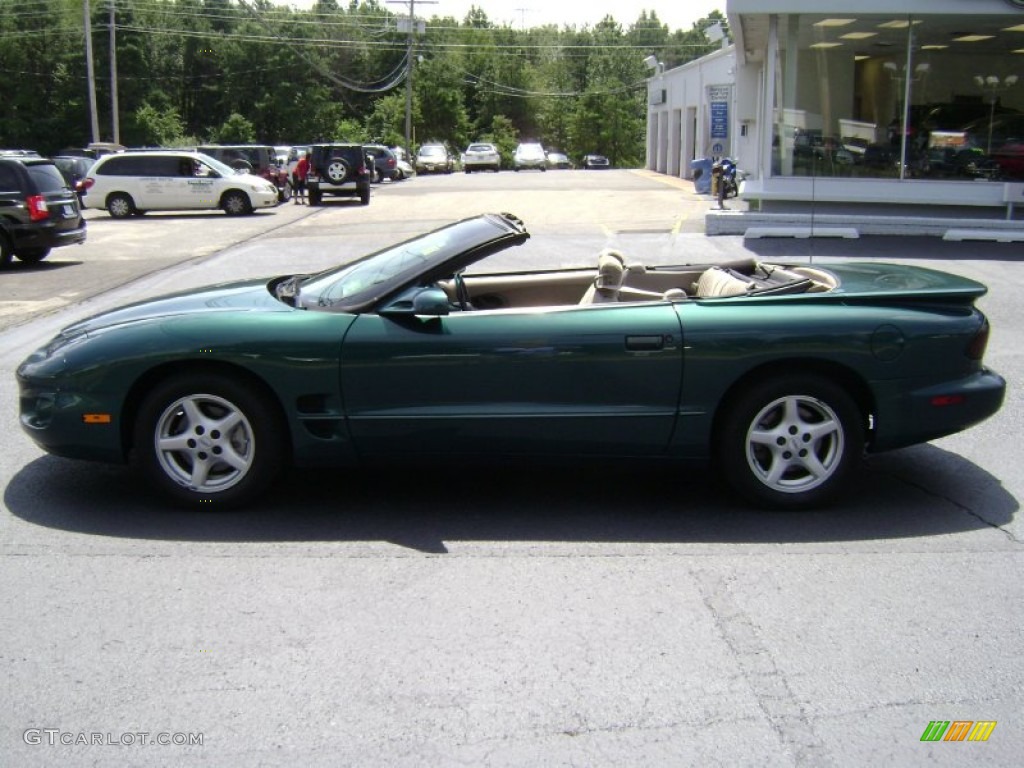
{"points": [[781, 375]]}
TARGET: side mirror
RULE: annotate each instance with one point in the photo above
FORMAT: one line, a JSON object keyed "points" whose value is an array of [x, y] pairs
{"points": [[427, 302], [431, 301]]}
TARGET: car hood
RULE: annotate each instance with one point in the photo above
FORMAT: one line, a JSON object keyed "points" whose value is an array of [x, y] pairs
{"points": [[248, 296]]}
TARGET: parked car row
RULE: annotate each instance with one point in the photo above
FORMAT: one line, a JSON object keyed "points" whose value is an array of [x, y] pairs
{"points": [[44, 198], [436, 157]]}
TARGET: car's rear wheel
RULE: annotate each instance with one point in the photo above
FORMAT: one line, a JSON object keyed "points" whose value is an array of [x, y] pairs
{"points": [[32, 255], [314, 197], [364, 197], [337, 170], [208, 440], [120, 205], [790, 442], [6, 250], [236, 203]]}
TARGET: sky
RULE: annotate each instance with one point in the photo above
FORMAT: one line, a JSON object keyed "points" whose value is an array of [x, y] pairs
{"points": [[677, 14]]}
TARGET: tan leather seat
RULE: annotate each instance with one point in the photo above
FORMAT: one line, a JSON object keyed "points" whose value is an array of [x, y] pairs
{"points": [[611, 271], [719, 282]]}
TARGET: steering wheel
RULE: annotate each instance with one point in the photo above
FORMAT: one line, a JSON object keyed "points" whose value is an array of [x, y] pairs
{"points": [[462, 293]]}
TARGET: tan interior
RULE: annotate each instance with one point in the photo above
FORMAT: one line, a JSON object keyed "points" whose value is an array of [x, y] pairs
{"points": [[584, 286]]}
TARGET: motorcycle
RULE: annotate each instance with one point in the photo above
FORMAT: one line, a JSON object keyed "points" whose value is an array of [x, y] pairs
{"points": [[728, 178]]}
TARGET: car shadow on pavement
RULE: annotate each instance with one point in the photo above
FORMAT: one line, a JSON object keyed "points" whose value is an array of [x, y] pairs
{"points": [[920, 491], [49, 265]]}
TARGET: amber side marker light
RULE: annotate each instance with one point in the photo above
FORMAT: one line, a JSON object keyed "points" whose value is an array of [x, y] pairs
{"points": [[96, 418]]}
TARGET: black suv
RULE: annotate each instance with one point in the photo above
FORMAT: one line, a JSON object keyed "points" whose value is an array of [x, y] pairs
{"points": [[338, 169], [38, 211]]}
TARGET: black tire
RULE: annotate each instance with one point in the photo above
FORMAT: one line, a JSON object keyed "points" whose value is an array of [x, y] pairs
{"points": [[236, 203], [179, 447], [284, 194], [6, 250], [32, 255], [120, 205], [314, 197], [789, 442], [337, 170], [364, 197]]}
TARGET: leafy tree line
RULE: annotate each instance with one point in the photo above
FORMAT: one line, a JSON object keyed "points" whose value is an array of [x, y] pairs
{"points": [[243, 71]]}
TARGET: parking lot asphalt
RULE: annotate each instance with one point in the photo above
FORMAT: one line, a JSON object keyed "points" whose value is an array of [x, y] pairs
{"points": [[599, 615]]}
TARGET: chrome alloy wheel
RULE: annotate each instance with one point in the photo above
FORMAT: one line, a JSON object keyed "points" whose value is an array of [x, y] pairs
{"points": [[794, 444], [204, 443]]}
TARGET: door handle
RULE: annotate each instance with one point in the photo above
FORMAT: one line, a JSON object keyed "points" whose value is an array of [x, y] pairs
{"points": [[650, 343]]}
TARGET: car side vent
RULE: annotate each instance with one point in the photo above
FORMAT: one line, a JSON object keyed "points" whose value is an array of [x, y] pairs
{"points": [[313, 405]]}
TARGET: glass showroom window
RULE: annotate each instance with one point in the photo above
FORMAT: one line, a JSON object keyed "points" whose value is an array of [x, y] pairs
{"points": [[935, 97]]}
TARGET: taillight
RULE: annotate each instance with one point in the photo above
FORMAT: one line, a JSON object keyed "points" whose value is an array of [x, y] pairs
{"points": [[37, 208], [976, 348], [86, 183]]}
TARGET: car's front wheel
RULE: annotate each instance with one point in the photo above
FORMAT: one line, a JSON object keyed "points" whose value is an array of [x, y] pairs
{"points": [[120, 205], [236, 203], [208, 440], [790, 442]]}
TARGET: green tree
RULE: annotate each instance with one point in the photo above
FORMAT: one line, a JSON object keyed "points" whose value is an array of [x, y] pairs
{"points": [[156, 127], [235, 130]]}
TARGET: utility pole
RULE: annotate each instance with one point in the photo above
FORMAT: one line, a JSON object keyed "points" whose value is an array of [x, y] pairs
{"points": [[114, 118], [412, 29], [90, 71]]}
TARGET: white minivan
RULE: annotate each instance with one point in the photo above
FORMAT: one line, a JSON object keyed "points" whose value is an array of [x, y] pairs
{"points": [[131, 183]]}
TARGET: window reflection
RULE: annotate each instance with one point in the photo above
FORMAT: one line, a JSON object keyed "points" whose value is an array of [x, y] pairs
{"points": [[936, 97]]}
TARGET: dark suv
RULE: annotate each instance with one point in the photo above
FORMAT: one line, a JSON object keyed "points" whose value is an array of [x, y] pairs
{"points": [[257, 159], [38, 211], [338, 169]]}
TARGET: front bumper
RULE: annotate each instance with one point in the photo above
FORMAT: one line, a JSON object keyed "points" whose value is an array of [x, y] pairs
{"points": [[55, 419]]}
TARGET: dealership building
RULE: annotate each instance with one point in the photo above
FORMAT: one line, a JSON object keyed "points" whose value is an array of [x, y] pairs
{"points": [[872, 116]]}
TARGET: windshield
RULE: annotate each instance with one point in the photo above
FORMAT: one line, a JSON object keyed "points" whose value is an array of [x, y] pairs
{"points": [[217, 165], [374, 276], [432, 150]]}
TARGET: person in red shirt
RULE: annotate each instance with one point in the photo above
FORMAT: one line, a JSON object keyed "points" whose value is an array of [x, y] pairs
{"points": [[299, 180]]}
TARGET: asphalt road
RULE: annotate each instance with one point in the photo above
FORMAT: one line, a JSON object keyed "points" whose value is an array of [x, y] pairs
{"points": [[595, 615]]}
